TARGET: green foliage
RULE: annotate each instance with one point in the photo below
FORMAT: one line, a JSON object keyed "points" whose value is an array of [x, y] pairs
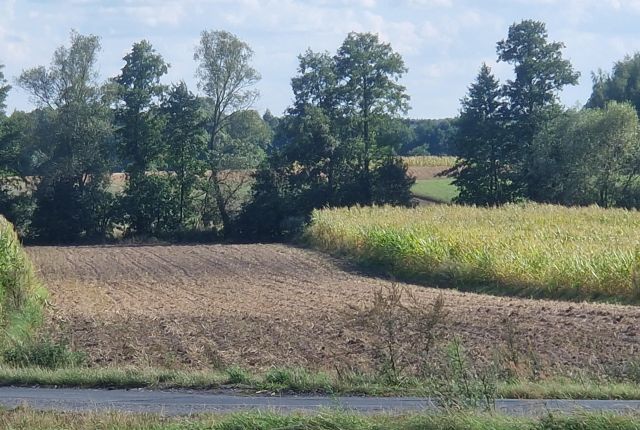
{"points": [[331, 149], [21, 295], [532, 97], [428, 137], [43, 353], [497, 125], [621, 85], [141, 146], [226, 77], [139, 123], [589, 157], [4, 91], [484, 172], [71, 197], [185, 140], [147, 207]]}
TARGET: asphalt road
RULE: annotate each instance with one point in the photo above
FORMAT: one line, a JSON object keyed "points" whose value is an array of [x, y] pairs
{"points": [[190, 402]]}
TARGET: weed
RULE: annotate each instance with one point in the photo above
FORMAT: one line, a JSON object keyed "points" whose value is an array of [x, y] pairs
{"points": [[461, 383], [43, 352], [237, 375], [401, 329]]}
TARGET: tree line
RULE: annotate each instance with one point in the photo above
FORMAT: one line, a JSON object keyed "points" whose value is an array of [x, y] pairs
{"points": [[516, 142], [135, 157]]}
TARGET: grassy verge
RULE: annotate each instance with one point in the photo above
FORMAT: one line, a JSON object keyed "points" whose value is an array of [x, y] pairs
{"points": [[296, 381], [527, 250], [22, 418], [439, 190], [22, 297]]}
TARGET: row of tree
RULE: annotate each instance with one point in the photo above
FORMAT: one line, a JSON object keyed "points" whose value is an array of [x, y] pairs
{"points": [[207, 162], [516, 142], [187, 159]]}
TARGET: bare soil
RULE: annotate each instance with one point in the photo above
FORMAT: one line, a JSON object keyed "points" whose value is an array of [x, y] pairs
{"points": [[265, 305], [426, 172]]}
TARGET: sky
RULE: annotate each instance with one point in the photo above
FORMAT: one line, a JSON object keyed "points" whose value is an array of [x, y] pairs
{"points": [[443, 42]]}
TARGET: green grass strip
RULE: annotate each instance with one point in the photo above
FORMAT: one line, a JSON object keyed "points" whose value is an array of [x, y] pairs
{"points": [[22, 418], [296, 380]]}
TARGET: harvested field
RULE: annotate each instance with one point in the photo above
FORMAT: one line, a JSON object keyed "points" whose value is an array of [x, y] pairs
{"points": [[263, 305]]}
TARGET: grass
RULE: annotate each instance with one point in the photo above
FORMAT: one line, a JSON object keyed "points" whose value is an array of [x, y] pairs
{"points": [[548, 251], [429, 161], [24, 418], [439, 190], [22, 297], [296, 380]]}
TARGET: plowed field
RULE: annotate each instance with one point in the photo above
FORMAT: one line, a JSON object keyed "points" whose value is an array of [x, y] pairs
{"points": [[263, 305]]}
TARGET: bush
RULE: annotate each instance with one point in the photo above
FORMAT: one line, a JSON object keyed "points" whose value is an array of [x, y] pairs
{"points": [[22, 297]]}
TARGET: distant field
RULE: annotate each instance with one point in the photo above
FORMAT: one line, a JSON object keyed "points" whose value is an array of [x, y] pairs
{"points": [[438, 189], [533, 250], [430, 161]]}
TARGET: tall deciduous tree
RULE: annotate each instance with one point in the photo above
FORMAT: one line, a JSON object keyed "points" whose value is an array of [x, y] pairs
{"points": [[140, 123], [540, 73], [186, 144], [71, 197], [368, 72], [227, 78], [483, 172]]}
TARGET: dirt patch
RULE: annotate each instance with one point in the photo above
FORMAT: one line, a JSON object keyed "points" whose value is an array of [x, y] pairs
{"points": [[264, 305], [426, 172]]}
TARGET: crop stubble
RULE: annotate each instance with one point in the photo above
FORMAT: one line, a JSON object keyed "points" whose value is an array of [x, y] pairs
{"points": [[264, 305]]}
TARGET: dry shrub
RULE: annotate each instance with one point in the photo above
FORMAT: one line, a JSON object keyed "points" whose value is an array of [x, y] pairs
{"points": [[404, 329]]}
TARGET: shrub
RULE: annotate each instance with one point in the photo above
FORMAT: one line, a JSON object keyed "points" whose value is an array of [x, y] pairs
{"points": [[22, 297]]}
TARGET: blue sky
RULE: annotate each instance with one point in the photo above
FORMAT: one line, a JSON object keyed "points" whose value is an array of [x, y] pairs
{"points": [[443, 42]]}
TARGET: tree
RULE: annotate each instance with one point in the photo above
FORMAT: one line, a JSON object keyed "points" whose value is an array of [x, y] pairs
{"points": [[4, 91], [331, 149], [226, 77], [623, 84], [139, 130], [185, 139], [540, 74], [368, 72], [590, 156], [72, 201], [483, 172]]}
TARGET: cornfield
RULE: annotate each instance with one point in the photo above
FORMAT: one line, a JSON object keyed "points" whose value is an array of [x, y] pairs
{"points": [[429, 161], [526, 250]]}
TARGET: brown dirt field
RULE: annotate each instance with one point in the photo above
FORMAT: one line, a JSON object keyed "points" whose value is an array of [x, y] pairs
{"points": [[264, 305], [426, 172]]}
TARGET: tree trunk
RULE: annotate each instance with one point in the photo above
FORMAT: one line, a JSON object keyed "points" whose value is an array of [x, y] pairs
{"points": [[220, 202]]}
